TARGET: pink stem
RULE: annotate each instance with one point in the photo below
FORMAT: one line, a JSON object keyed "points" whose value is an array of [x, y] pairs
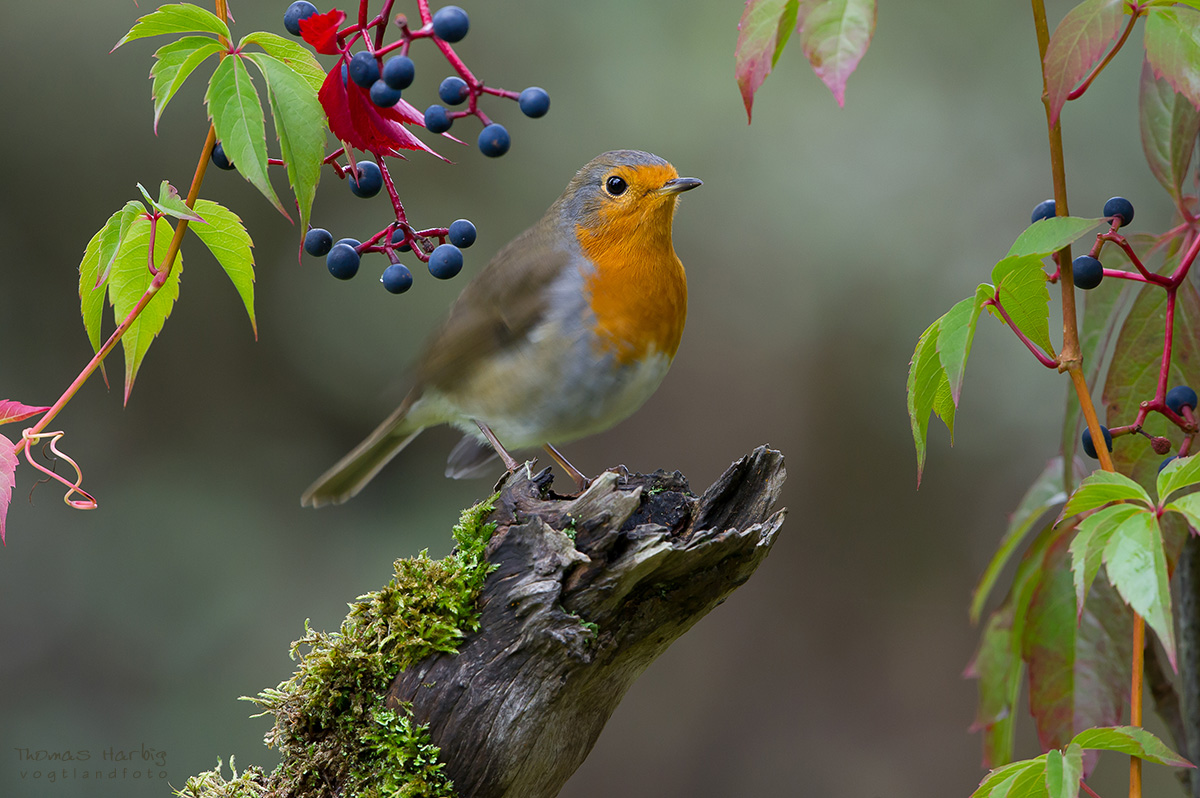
{"points": [[1043, 358]]}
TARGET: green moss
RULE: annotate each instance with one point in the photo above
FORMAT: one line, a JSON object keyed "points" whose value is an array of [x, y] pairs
{"points": [[331, 725]]}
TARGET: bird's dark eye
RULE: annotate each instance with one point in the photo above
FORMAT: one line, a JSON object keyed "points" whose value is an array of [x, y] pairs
{"points": [[615, 186]]}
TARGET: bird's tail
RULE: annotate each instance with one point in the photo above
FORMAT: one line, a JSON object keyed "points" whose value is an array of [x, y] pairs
{"points": [[355, 470]]}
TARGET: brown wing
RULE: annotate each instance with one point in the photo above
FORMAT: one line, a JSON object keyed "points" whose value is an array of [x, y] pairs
{"points": [[497, 308]]}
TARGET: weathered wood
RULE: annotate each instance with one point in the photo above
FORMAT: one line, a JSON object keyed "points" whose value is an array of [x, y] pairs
{"points": [[569, 624]]}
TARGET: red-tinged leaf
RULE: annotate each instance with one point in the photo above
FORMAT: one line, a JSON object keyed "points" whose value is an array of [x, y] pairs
{"points": [[1133, 741], [320, 30], [1077, 45], [8, 478], [1173, 48], [835, 35], [357, 121], [763, 30], [1078, 672], [12, 412], [1169, 125], [997, 665]]}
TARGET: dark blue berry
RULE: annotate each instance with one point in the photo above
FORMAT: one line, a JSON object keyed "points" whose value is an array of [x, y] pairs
{"points": [[437, 119], [461, 233], [220, 159], [535, 102], [369, 181], [1119, 206], [318, 242], [1165, 463], [384, 95], [494, 140], [1088, 272], [454, 90], [1180, 397], [398, 72], [396, 278], [295, 12], [1043, 210], [451, 24], [1089, 448], [364, 69], [446, 261], [351, 242], [342, 261], [398, 238]]}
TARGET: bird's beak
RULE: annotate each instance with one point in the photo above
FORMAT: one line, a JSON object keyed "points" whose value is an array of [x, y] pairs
{"points": [[679, 185]]}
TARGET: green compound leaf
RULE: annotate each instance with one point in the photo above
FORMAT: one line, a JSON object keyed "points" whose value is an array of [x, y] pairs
{"points": [[98, 259], [227, 239], [928, 392], [176, 18], [1180, 473], [1077, 45], [127, 284], [1104, 487], [1064, 769], [176, 62], [1021, 287], [238, 118], [1173, 48], [955, 335], [1169, 124], [835, 35], [763, 30], [1137, 568], [1133, 741], [295, 55], [1045, 493], [300, 125], [1046, 236], [1087, 548]]}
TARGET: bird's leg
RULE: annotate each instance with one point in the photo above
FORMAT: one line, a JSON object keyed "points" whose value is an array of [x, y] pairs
{"points": [[510, 464], [581, 482]]}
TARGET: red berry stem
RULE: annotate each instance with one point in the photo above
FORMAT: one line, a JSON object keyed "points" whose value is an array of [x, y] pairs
{"points": [[1123, 243], [1043, 358]]}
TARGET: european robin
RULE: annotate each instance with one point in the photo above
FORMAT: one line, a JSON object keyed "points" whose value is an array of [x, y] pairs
{"points": [[567, 330]]}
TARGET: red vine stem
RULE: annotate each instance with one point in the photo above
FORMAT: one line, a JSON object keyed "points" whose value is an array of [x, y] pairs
{"points": [[1043, 358]]}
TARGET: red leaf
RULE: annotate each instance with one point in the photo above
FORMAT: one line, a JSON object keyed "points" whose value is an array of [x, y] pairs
{"points": [[320, 30], [8, 478], [1077, 45], [835, 35], [15, 411], [356, 120], [762, 32]]}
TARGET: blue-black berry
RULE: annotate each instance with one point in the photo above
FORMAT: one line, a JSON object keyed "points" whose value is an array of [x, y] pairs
{"points": [[364, 69], [451, 24], [1089, 448], [318, 242], [398, 238], [437, 119], [1088, 272], [369, 181], [535, 102], [384, 95], [1043, 210], [454, 90], [494, 140], [295, 12], [1166, 462], [398, 72], [342, 261], [1179, 397], [350, 242], [396, 278], [446, 261], [461, 233], [220, 159], [1119, 206]]}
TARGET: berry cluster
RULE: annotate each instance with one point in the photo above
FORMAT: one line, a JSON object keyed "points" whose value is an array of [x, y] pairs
{"points": [[1087, 270]]}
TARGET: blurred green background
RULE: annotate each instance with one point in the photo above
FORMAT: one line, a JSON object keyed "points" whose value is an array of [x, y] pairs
{"points": [[823, 242]]}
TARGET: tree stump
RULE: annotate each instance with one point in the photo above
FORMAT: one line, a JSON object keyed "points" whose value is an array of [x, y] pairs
{"points": [[587, 592]]}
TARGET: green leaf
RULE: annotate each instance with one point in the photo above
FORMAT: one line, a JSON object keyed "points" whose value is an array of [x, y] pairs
{"points": [[835, 35], [928, 391], [176, 61], [98, 257], [127, 284], [1130, 740], [763, 31], [1024, 779], [1077, 45], [1173, 48], [1064, 769], [955, 335], [1050, 235], [1137, 568], [227, 239], [300, 125], [238, 117], [1189, 508], [169, 202], [294, 54], [1045, 492], [1180, 473], [176, 18], [1104, 487], [1021, 285], [1087, 548], [1169, 125]]}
